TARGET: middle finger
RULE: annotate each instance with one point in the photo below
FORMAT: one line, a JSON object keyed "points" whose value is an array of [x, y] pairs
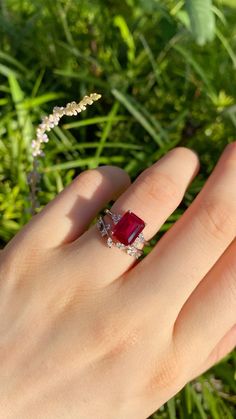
{"points": [[193, 245]]}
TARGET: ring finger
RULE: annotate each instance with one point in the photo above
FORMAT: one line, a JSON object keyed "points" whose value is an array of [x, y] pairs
{"points": [[153, 197]]}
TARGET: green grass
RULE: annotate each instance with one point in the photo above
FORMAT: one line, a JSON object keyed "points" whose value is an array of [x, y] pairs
{"points": [[159, 89]]}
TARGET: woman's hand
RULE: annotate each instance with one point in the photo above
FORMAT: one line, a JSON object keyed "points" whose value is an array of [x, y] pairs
{"points": [[87, 333]]}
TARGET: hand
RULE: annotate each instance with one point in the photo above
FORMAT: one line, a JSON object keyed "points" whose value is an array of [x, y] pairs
{"points": [[85, 332]]}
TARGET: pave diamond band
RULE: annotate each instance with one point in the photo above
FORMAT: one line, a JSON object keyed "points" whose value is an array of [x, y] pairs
{"points": [[124, 232]]}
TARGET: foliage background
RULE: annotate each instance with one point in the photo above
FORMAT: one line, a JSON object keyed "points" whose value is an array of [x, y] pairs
{"points": [[160, 88]]}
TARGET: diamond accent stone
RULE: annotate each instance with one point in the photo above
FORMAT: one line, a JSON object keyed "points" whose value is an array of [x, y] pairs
{"points": [[141, 238], [131, 251], [120, 245], [109, 242], [116, 218]]}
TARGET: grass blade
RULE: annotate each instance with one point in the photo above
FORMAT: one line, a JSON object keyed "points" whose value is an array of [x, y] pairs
{"points": [[196, 66], [198, 404], [124, 100], [86, 162], [107, 130], [171, 408], [227, 46], [92, 121]]}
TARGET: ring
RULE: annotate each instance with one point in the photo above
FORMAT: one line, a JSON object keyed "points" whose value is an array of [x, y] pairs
{"points": [[124, 232]]}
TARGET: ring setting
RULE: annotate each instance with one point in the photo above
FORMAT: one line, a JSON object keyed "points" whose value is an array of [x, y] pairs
{"points": [[124, 231]]}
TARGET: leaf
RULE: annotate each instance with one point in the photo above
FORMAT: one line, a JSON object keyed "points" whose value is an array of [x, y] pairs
{"points": [[7, 57], [148, 6], [171, 408], [198, 404], [33, 102], [23, 116], [107, 130], [202, 20], [210, 399], [138, 115], [188, 399], [86, 162], [7, 71], [92, 121], [196, 66], [227, 46], [127, 36], [229, 3], [84, 76]]}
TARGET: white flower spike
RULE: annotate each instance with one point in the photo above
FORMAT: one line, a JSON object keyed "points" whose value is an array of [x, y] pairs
{"points": [[47, 123]]}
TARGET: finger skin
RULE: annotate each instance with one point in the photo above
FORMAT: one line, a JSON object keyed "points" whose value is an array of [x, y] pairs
{"points": [[57, 338], [223, 348], [209, 312], [153, 197], [194, 244], [67, 216]]}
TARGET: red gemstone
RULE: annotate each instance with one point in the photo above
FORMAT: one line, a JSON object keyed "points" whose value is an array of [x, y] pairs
{"points": [[128, 228]]}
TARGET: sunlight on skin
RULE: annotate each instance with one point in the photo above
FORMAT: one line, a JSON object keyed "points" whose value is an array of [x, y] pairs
{"points": [[76, 317]]}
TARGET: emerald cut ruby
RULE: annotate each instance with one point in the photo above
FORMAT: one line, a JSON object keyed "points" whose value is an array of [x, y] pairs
{"points": [[128, 228]]}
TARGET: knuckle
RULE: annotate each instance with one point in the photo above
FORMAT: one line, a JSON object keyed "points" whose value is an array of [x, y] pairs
{"points": [[158, 187], [123, 343], [19, 262], [215, 215], [113, 339], [104, 332], [166, 373]]}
